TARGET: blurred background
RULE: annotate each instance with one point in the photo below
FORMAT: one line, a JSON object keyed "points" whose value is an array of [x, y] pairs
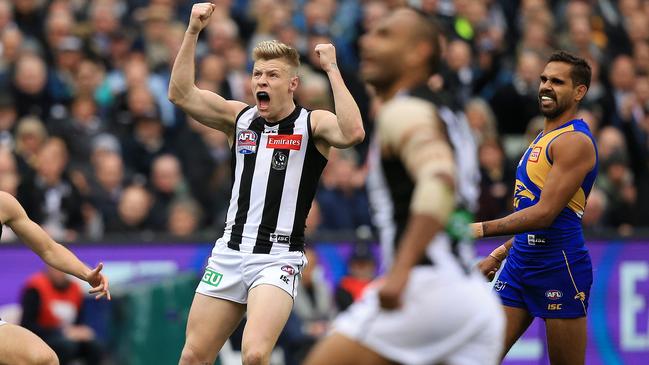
{"points": [[92, 148]]}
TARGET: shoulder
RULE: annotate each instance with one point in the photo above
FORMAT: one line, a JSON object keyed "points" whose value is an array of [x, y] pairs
{"points": [[404, 116], [572, 146], [319, 119]]}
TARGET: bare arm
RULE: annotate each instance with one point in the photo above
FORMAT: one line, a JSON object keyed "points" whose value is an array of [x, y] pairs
{"points": [[345, 128], [13, 215], [205, 106], [573, 157], [428, 158]]}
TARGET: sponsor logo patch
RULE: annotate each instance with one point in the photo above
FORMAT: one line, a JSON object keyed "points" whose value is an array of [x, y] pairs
{"points": [[288, 269], [534, 155], [247, 142], [532, 240], [553, 294], [212, 278], [279, 238], [285, 141], [554, 306], [280, 160]]}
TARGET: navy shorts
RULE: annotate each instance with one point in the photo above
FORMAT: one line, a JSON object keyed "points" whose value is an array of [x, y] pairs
{"points": [[548, 287]]}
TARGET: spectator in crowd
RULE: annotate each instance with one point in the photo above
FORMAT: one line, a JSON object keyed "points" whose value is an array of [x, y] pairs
{"points": [[50, 198], [29, 87], [52, 308], [7, 121], [167, 184], [184, 217], [515, 103], [497, 181], [342, 197], [361, 267], [133, 211]]}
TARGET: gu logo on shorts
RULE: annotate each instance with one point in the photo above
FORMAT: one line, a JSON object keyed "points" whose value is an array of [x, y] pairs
{"points": [[212, 278], [247, 142], [499, 285], [553, 294], [285, 141], [288, 269], [280, 160], [536, 152]]}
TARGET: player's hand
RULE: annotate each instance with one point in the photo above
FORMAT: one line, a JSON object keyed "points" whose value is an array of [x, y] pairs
{"points": [[391, 290], [489, 266], [327, 55], [98, 282], [200, 17]]}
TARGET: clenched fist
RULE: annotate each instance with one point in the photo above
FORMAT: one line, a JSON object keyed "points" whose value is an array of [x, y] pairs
{"points": [[327, 55], [200, 17]]}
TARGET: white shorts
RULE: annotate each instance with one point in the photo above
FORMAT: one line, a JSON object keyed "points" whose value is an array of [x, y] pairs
{"points": [[230, 274], [443, 318], [2, 322]]}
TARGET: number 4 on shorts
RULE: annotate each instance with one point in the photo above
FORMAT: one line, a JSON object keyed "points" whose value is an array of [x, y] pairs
{"points": [[212, 278]]}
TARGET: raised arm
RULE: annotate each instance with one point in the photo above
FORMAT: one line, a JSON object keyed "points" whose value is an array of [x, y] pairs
{"points": [[345, 128], [409, 128], [573, 156], [205, 106], [13, 215]]}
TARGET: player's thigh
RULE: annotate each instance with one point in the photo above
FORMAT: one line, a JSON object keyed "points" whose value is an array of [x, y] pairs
{"points": [[517, 322], [211, 321], [341, 350], [566, 340], [268, 310], [20, 346]]}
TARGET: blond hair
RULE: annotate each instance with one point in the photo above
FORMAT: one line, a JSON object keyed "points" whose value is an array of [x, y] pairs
{"points": [[270, 50]]}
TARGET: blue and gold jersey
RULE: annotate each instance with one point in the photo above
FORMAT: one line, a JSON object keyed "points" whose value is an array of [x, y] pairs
{"points": [[565, 233]]}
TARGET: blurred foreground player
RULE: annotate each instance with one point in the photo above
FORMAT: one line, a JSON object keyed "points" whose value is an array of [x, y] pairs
{"points": [[430, 308]]}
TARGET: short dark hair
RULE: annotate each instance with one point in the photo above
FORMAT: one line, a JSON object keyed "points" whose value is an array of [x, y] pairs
{"points": [[580, 73], [429, 30]]}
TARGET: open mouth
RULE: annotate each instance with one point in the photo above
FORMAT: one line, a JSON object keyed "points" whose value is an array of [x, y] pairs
{"points": [[263, 99], [546, 99]]}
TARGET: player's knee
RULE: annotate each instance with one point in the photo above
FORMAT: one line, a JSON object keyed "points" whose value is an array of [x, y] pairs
{"points": [[252, 356], [190, 356], [43, 356]]}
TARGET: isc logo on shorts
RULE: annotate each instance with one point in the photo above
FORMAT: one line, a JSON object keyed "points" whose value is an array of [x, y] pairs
{"points": [[554, 306], [212, 278]]}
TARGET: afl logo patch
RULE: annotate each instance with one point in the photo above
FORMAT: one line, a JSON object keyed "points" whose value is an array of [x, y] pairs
{"points": [[280, 160], [534, 155], [553, 294], [288, 269], [247, 142]]}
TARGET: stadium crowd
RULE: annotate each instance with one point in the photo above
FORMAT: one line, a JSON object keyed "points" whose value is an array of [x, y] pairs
{"points": [[91, 146]]}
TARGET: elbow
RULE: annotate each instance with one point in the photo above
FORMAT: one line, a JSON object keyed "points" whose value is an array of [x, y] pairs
{"points": [[173, 96], [544, 219], [358, 135]]}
